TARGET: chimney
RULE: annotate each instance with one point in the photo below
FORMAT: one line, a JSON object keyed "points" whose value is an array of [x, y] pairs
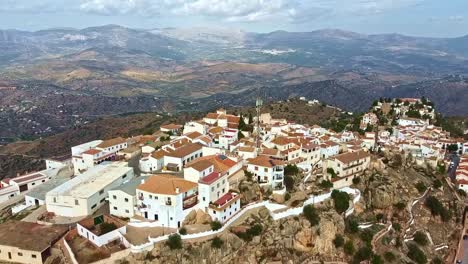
{"points": [[142, 181], [177, 190]]}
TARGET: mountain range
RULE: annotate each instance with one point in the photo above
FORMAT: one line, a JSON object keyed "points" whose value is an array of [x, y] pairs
{"points": [[111, 69]]}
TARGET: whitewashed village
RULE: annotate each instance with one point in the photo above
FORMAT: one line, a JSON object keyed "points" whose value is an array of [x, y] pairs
{"points": [[195, 180]]}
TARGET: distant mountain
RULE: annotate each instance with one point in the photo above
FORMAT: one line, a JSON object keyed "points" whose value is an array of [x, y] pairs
{"points": [[194, 69]]}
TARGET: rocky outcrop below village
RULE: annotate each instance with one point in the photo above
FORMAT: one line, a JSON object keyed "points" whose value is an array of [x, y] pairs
{"points": [[385, 227]]}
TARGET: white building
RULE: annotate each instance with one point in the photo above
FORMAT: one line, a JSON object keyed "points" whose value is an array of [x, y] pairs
{"points": [[346, 167], [152, 162], [90, 228], [84, 194], [176, 160], [166, 199], [194, 126], [122, 199], [267, 171]]}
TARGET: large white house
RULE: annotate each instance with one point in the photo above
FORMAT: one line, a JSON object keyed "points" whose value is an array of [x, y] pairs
{"points": [[267, 171], [166, 199], [122, 199], [342, 169], [84, 194], [176, 160]]}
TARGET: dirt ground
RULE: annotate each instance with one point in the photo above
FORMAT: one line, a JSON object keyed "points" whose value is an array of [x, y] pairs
{"points": [[139, 235]]}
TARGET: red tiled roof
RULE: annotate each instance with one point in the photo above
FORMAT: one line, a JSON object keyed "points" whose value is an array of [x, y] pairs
{"points": [[210, 178], [92, 152], [224, 199]]}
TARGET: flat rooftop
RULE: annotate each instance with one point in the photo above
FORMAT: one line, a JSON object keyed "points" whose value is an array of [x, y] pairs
{"points": [[92, 181], [30, 236]]}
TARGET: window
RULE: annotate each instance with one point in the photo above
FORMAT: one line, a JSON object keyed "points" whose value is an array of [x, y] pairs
{"points": [[33, 256], [126, 199], [101, 192], [114, 197], [204, 199], [265, 170], [256, 168], [171, 218], [115, 208], [126, 211], [151, 196], [43, 180], [77, 202], [212, 189], [33, 183], [125, 176], [94, 206], [102, 200], [55, 199], [20, 254]]}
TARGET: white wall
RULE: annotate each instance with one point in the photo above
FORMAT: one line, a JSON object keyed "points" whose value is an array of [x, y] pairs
{"points": [[224, 215], [121, 204], [103, 239]]}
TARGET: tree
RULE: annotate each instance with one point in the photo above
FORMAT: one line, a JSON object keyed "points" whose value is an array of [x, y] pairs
{"points": [[182, 231], [437, 184], [356, 180], [389, 256], [291, 169], [338, 241], [400, 206], [348, 247], [174, 241], [362, 254], [416, 254], [341, 201], [421, 187], [310, 213], [420, 238], [332, 172], [217, 242], [242, 126], [376, 259], [240, 135], [248, 175], [437, 208], [289, 182], [437, 260], [396, 227], [441, 168], [250, 118], [326, 184], [366, 236], [352, 226], [452, 147], [215, 225]]}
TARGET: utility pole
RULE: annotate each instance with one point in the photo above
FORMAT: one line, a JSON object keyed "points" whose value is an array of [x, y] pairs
{"points": [[258, 105]]}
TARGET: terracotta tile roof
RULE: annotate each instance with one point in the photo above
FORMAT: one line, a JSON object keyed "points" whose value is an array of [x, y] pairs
{"points": [[112, 142], [30, 236], [180, 143], [233, 125], [185, 150], [280, 141], [221, 163], [271, 152], [352, 156], [210, 178], [246, 149], [92, 151], [265, 161], [193, 135], [171, 126], [212, 116], [215, 130], [233, 119], [166, 184], [200, 165], [159, 154]]}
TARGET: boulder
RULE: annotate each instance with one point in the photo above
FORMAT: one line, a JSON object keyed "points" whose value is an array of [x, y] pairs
{"points": [[250, 192], [202, 218], [297, 197], [190, 218], [278, 198]]}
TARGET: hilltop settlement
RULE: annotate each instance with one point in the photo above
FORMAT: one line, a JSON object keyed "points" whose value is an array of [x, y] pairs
{"points": [[366, 193]]}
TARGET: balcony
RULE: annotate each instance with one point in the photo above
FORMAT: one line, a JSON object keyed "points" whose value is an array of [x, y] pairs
{"points": [[190, 202], [168, 202], [278, 178], [142, 208], [278, 169], [225, 199]]}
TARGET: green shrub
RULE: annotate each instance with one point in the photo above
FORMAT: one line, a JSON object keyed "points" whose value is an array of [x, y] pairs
{"points": [[217, 242], [416, 254], [437, 260], [341, 201], [362, 254], [215, 225], [420, 238], [376, 259], [291, 169], [326, 184], [289, 182], [310, 213], [396, 227], [400, 206], [348, 247], [437, 208], [421, 187], [182, 231], [356, 181], [174, 241], [437, 184], [255, 230], [389, 256], [338, 241], [107, 227], [352, 226], [287, 196], [366, 236]]}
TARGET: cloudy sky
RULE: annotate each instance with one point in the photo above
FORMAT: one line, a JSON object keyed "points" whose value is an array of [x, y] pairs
{"points": [[414, 17]]}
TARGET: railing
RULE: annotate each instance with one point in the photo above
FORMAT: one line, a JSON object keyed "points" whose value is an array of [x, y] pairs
{"points": [[190, 203], [353, 166]]}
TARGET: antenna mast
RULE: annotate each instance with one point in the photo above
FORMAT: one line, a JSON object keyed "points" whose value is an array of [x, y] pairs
{"points": [[258, 104]]}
